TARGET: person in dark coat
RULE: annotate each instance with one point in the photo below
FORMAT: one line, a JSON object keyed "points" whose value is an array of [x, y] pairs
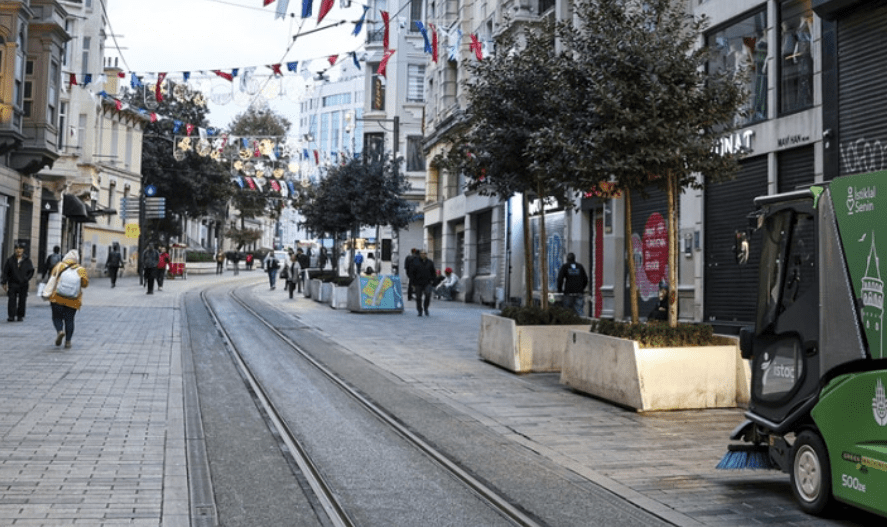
{"points": [[571, 281], [304, 263], [407, 263], [150, 261], [113, 263], [422, 275], [17, 273]]}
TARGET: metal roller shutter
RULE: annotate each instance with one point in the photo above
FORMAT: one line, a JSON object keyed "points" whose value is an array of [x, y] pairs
{"points": [[730, 288], [861, 95], [795, 168]]}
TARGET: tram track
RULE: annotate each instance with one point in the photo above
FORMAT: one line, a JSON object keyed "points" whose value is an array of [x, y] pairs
{"points": [[325, 493]]}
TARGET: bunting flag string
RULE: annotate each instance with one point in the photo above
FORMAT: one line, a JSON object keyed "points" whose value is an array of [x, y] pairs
{"points": [[385, 35], [383, 64], [476, 47]]}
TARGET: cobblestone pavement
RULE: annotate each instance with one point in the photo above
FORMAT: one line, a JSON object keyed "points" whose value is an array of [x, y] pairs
{"points": [[94, 435]]}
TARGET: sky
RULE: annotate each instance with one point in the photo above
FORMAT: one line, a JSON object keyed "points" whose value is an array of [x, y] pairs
{"points": [[175, 36]]}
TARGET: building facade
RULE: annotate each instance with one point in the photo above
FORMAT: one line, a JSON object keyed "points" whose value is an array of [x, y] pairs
{"points": [[33, 36], [99, 148]]}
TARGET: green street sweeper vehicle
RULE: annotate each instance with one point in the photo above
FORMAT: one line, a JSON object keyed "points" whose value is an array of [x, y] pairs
{"points": [[818, 408]]}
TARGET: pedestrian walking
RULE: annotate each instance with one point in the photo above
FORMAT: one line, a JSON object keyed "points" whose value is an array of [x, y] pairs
{"points": [[65, 294], [422, 276], [304, 262], [322, 258], [162, 267], [293, 274], [220, 262], [235, 259], [358, 261], [113, 263], [272, 265], [150, 261], [51, 261], [249, 261], [407, 265], [571, 281], [16, 274]]}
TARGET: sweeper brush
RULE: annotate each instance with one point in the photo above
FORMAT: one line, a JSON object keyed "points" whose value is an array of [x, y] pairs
{"points": [[754, 457]]}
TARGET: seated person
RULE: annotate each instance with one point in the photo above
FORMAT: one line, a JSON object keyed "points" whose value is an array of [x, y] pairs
{"points": [[448, 286]]}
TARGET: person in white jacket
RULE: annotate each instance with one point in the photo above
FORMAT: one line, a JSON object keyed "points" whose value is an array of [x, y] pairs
{"points": [[449, 286]]}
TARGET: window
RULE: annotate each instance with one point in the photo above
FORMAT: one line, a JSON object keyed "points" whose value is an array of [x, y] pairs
{"points": [[19, 87], [81, 130], [485, 243], [28, 96], [63, 118], [66, 49], [337, 100], [415, 156], [795, 58], [53, 93], [415, 14], [115, 135], [84, 66], [742, 47], [378, 89], [336, 125], [128, 159], [324, 132], [416, 83]]}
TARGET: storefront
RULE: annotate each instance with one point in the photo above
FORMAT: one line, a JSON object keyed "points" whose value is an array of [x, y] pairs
{"points": [[731, 287], [853, 69]]}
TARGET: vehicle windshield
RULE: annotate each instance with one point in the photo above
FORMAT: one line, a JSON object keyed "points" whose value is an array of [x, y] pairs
{"points": [[787, 264]]}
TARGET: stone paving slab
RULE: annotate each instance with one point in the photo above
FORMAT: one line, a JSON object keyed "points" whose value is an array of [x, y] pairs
{"points": [[93, 435]]}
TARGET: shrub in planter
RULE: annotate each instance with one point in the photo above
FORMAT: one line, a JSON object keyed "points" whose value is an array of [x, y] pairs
{"points": [[342, 281], [199, 256], [660, 335], [326, 276], [536, 316]]}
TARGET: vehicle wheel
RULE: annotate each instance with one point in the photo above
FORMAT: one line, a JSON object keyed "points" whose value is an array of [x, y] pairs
{"points": [[811, 474]]}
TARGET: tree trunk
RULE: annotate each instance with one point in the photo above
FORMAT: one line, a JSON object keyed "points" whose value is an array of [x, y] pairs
{"points": [[543, 250], [629, 255], [672, 225], [528, 252]]}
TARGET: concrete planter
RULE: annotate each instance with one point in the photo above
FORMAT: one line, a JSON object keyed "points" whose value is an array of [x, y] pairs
{"points": [[649, 379], [339, 297], [523, 349], [321, 291]]}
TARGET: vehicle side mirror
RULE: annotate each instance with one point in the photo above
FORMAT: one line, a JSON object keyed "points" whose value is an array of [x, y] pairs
{"points": [[746, 342]]}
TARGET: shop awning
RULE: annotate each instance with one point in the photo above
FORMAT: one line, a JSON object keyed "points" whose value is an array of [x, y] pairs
{"points": [[75, 210]]}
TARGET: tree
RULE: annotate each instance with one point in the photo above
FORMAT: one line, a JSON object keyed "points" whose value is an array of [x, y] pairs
{"points": [[509, 98], [358, 193], [258, 123], [193, 185], [243, 237], [638, 106]]}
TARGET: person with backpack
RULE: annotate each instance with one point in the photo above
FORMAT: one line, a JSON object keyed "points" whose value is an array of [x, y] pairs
{"points": [[51, 261], [150, 262], [65, 293], [113, 263], [272, 265]]}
